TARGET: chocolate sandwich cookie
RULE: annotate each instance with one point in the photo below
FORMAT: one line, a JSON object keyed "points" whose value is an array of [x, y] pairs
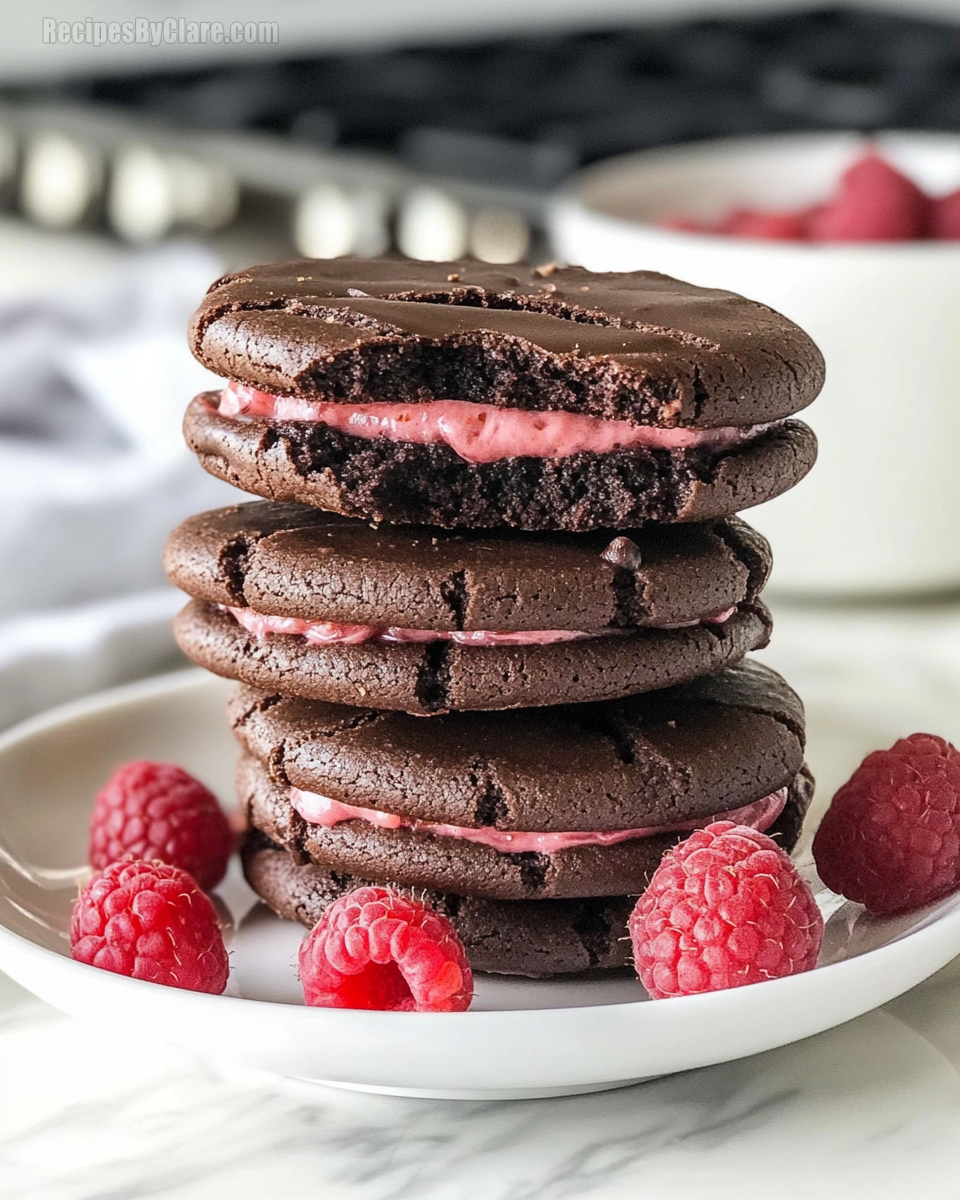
{"points": [[537, 938], [502, 866], [456, 394], [571, 801], [423, 621]]}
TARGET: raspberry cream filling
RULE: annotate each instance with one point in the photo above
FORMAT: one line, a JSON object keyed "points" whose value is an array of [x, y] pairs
{"points": [[321, 810], [479, 433], [326, 633]]}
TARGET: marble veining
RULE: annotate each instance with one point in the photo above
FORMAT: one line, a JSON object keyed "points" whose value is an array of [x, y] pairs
{"points": [[871, 1109]]}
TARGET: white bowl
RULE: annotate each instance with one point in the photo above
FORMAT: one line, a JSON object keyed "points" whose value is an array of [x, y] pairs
{"points": [[877, 512]]}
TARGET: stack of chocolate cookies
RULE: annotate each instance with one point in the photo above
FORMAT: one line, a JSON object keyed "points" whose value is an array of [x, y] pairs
{"points": [[489, 624]]}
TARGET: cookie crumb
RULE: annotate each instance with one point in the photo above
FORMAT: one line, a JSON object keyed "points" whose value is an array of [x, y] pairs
{"points": [[453, 278], [547, 269]]}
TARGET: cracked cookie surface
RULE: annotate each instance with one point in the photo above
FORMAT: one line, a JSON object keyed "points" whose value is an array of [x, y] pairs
{"points": [[293, 560]]}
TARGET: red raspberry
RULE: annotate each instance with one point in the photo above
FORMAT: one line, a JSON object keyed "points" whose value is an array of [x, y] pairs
{"points": [[150, 921], [681, 224], [375, 948], [772, 226], [156, 810], [945, 221], [891, 837], [875, 203], [724, 908]]}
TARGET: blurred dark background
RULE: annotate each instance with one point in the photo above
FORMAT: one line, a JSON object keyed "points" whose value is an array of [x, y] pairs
{"points": [[447, 147]]}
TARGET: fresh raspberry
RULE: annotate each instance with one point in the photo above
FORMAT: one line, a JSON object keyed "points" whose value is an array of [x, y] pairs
{"points": [[150, 921], [809, 216], [945, 218], [724, 908], [681, 224], [891, 837], [772, 226], [375, 948], [875, 203], [156, 810]]}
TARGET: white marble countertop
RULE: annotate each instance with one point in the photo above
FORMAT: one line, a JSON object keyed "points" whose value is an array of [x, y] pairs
{"points": [[870, 1109]]}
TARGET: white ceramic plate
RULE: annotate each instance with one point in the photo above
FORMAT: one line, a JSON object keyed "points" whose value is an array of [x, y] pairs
{"points": [[521, 1038]]}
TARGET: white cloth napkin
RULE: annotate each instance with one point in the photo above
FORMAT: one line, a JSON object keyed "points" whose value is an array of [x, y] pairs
{"points": [[60, 655], [93, 469], [94, 473]]}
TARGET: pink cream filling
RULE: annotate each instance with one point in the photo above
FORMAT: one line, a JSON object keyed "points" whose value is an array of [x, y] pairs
{"points": [[326, 633], [479, 433], [321, 810]]}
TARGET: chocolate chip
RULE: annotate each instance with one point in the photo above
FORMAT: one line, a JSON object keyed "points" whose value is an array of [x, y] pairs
{"points": [[623, 552]]}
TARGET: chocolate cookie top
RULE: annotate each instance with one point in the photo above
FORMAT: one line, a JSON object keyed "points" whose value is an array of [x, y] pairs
{"points": [[700, 748], [637, 345], [292, 561]]}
